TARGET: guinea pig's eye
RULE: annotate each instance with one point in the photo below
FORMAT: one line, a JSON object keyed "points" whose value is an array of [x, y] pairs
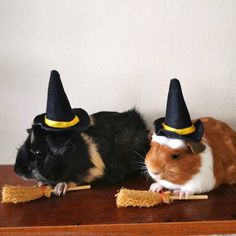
{"points": [[175, 156], [38, 153]]}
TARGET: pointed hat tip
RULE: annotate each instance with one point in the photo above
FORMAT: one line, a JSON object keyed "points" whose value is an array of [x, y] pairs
{"points": [[55, 73], [174, 80], [174, 84]]}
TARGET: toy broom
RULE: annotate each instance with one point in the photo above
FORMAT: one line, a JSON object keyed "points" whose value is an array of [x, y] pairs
{"points": [[17, 194], [139, 198]]}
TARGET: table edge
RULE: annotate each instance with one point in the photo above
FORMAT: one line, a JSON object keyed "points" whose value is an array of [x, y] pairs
{"points": [[164, 228]]}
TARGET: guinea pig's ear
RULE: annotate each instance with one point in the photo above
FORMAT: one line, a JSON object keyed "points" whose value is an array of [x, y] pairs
{"points": [[32, 137], [150, 135], [35, 133], [29, 131], [196, 147]]}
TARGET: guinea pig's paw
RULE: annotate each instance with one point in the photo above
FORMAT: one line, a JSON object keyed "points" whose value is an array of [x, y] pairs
{"points": [[60, 188], [155, 187], [182, 194]]}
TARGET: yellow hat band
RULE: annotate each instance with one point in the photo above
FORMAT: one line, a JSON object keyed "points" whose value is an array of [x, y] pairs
{"points": [[61, 124], [184, 131]]}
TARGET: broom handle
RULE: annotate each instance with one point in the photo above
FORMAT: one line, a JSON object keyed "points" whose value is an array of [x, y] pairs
{"points": [[191, 197], [79, 187]]}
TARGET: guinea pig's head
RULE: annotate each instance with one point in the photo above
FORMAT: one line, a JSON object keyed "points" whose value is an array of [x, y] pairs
{"points": [[48, 156], [173, 160]]}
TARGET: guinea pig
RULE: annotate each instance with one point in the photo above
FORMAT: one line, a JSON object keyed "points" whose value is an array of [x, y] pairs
{"points": [[192, 168], [109, 150]]}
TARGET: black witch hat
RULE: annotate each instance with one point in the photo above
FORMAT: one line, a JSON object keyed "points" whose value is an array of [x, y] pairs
{"points": [[177, 123], [59, 116]]}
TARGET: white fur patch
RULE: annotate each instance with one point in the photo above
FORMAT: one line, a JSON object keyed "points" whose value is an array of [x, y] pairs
{"points": [[172, 143], [169, 185], [204, 180]]}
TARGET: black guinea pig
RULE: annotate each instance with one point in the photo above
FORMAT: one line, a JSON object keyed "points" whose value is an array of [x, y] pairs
{"points": [[110, 150]]}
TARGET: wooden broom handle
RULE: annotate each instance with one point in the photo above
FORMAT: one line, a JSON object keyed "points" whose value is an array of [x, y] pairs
{"points": [[79, 187], [191, 197]]}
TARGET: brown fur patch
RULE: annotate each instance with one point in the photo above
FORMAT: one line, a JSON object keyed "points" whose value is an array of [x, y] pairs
{"points": [[99, 167], [222, 139]]}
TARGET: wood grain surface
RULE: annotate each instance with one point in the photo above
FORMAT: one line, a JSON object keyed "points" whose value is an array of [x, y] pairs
{"points": [[94, 212]]}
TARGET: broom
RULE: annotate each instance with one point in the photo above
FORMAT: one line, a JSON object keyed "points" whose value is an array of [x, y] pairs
{"points": [[139, 198], [17, 194]]}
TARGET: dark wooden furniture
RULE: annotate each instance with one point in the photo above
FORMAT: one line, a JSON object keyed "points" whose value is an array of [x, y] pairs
{"points": [[94, 212]]}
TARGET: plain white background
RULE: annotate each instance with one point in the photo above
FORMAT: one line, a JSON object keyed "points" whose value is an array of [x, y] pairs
{"points": [[114, 55]]}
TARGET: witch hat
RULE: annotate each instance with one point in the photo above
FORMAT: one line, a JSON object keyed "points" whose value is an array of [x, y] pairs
{"points": [[177, 122], [59, 116]]}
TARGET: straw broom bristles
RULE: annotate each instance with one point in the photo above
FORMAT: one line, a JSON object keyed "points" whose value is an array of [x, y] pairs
{"points": [[126, 197], [17, 194], [139, 198]]}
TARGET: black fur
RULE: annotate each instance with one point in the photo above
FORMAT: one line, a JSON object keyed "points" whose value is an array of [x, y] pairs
{"points": [[55, 157]]}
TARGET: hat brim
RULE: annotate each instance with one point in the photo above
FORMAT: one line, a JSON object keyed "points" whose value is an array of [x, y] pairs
{"points": [[195, 136], [82, 125]]}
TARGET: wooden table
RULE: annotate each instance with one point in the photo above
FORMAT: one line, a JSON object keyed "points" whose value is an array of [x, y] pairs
{"points": [[94, 212]]}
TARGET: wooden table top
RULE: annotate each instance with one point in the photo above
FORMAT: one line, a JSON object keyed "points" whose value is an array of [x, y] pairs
{"points": [[95, 211]]}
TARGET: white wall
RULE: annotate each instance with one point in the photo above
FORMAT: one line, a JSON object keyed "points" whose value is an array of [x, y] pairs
{"points": [[113, 55]]}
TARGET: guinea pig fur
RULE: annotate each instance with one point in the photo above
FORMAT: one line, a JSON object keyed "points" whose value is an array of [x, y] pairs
{"points": [[109, 150], [174, 164]]}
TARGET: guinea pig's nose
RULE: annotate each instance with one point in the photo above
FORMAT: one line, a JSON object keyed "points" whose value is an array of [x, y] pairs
{"points": [[16, 169], [155, 173]]}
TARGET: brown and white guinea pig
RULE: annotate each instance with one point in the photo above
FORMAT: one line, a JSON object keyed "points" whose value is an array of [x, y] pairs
{"points": [[189, 168], [109, 150]]}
